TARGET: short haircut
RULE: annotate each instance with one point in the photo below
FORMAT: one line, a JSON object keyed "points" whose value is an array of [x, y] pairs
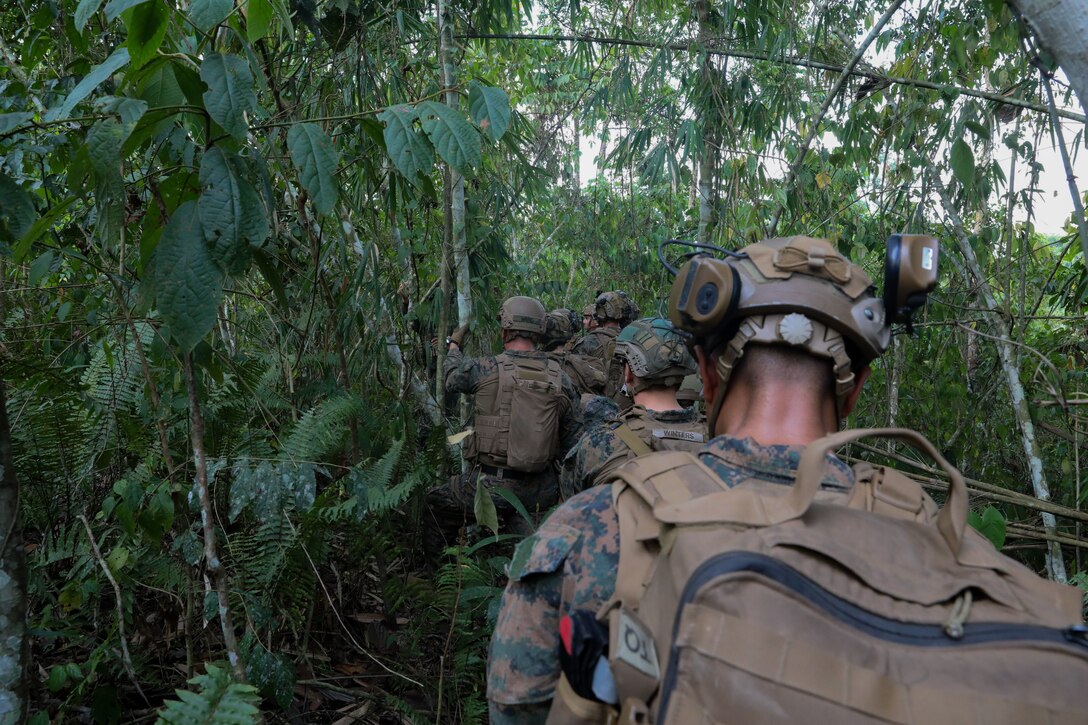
{"points": [[764, 365]]}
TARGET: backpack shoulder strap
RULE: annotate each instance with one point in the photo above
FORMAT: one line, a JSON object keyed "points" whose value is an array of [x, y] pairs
{"points": [[635, 495], [631, 439]]}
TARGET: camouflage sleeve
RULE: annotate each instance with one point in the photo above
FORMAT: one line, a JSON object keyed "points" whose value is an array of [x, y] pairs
{"points": [[523, 660], [568, 564], [570, 428], [460, 372]]}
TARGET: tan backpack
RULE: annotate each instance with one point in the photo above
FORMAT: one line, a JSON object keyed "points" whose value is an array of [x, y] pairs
{"points": [[767, 603], [523, 432]]}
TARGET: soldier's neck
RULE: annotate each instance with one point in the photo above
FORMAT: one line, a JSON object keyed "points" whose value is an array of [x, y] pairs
{"points": [[518, 344], [657, 400], [783, 415]]}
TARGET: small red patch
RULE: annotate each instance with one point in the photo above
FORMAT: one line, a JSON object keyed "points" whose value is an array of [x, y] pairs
{"points": [[566, 630]]}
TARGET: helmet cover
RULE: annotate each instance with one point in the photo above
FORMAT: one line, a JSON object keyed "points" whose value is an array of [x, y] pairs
{"points": [[560, 326], [522, 314], [615, 306], [656, 353]]}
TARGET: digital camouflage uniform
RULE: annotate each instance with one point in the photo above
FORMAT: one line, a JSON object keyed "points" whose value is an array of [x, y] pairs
{"points": [[601, 450], [451, 505], [578, 545]]}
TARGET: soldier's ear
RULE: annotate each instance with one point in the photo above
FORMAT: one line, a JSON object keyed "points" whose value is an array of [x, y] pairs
{"points": [[707, 372], [628, 376]]}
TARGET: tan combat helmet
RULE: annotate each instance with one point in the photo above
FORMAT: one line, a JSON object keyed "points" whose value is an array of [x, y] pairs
{"points": [[615, 306], [524, 315], [559, 326], [656, 353], [800, 291]]}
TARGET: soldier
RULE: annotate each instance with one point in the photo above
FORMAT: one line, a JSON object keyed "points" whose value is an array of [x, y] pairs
{"points": [[611, 312], [781, 366], [525, 415], [656, 362], [588, 322], [584, 372]]}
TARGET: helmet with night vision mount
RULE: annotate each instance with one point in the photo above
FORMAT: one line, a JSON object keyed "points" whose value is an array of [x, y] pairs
{"points": [[801, 292]]}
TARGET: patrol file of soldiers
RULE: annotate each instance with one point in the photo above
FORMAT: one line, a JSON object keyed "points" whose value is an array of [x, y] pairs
{"points": [[693, 550]]}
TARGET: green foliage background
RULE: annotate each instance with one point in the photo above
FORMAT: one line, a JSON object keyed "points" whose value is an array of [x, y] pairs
{"points": [[259, 187]]}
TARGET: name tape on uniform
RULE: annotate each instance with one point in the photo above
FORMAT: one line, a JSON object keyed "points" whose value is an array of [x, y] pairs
{"points": [[681, 435]]}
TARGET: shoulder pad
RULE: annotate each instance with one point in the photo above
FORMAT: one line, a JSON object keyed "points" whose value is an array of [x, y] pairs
{"points": [[543, 552]]}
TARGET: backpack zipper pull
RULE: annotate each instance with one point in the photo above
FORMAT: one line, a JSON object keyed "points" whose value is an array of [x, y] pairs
{"points": [[960, 611]]}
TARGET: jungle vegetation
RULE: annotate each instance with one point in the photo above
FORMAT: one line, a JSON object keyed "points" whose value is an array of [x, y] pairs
{"points": [[230, 229]]}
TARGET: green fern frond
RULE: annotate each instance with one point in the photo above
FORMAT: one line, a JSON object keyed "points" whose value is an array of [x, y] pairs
{"points": [[322, 428], [371, 485], [219, 702]]}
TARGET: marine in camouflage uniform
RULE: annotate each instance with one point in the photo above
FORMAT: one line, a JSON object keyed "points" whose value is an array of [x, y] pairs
{"points": [[584, 372], [612, 311], [778, 391], [578, 546], [451, 505], [656, 361]]}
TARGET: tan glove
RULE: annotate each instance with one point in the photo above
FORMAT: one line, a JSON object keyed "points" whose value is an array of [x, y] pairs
{"points": [[458, 336]]}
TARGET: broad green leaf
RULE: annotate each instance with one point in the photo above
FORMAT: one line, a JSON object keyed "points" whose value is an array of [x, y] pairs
{"points": [[979, 130], [990, 524], [456, 141], [117, 559], [484, 507], [259, 16], [130, 110], [117, 60], [40, 267], [39, 227], [232, 216], [104, 149], [146, 25], [410, 151], [316, 161], [160, 86], [963, 162], [206, 14], [114, 8], [230, 93], [8, 121], [490, 109], [188, 284], [17, 212], [84, 11]]}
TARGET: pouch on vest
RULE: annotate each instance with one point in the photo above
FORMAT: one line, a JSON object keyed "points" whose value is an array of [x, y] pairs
{"points": [[585, 372], [534, 416], [768, 603]]}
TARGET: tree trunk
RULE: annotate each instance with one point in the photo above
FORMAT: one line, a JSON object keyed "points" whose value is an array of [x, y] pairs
{"points": [[1011, 367], [12, 582], [711, 125], [1061, 27], [456, 209]]}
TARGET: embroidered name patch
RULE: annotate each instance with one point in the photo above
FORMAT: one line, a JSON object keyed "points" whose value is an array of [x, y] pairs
{"points": [[681, 435]]}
